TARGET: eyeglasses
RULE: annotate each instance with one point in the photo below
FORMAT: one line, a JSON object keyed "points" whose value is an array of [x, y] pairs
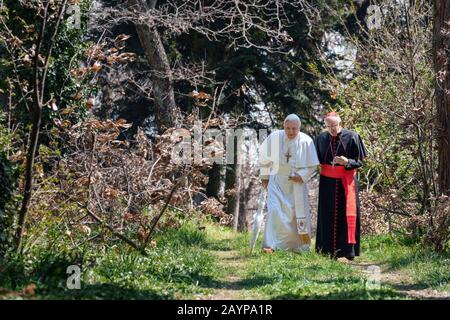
{"points": [[335, 126]]}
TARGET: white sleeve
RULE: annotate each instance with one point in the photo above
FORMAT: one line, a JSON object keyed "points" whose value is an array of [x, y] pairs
{"points": [[264, 160], [311, 162], [306, 173]]}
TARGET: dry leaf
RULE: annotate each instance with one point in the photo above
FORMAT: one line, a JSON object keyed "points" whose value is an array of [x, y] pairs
{"points": [[77, 96], [96, 67], [111, 193], [85, 229], [122, 37], [19, 156], [122, 123], [30, 290], [90, 103], [53, 105]]}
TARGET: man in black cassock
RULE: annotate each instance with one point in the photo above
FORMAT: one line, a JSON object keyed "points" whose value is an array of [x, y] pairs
{"points": [[340, 153]]}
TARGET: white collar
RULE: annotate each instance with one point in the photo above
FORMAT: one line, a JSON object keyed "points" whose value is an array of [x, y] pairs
{"points": [[286, 139]]}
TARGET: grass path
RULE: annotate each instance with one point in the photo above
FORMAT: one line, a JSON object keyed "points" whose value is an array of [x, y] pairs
{"points": [[205, 261], [232, 260], [230, 288], [285, 275], [402, 282]]}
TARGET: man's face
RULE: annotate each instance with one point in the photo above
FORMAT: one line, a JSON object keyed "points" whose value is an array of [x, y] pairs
{"points": [[333, 126], [291, 128]]}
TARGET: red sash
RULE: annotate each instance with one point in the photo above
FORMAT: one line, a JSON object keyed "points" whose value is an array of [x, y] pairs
{"points": [[348, 181]]}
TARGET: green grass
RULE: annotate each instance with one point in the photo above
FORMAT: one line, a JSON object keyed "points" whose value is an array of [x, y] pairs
{"points": [[177, 268], [222, 238], [426, 268], [286, 275], [192, 262]]}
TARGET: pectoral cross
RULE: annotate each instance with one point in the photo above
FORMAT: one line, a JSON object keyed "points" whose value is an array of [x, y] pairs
{"points": [[333, 163], [288, 156]]}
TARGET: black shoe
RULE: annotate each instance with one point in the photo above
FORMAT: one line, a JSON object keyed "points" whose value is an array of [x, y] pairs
{"points": [[350, 258]]}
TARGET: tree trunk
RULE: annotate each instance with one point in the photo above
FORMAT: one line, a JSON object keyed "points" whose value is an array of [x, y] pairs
{"points": [[247, 190], [39, 84], [247, 201], [441, 54], [166, 111], [231, 179], [29, 173], [237, 217], [213, 187]]}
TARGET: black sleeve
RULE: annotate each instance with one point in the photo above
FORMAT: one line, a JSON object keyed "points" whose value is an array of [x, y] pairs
{"points": [[353, 164], [316, 144], [355, 161], [362, 152]]}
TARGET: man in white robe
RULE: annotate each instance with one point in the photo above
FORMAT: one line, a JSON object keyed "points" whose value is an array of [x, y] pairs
{"points": [[288, 158]]}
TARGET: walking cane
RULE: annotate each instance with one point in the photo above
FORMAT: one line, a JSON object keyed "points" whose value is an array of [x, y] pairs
{"points": [[258, 219]]}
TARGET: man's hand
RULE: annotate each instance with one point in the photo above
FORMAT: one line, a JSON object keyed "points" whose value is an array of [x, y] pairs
{"points": [[296, 178], [264, 183], [341, 160]]}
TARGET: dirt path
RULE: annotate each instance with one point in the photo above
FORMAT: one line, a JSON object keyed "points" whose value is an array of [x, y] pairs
{"points": [[233, 264], [399, 281], [231, 286], [404, 284]]}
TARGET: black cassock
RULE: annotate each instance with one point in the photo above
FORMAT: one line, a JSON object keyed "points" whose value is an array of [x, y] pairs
{"points": [[332, 234]]}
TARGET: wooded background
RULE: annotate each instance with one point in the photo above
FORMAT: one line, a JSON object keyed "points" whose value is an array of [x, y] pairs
{"points": [[90, 103]]}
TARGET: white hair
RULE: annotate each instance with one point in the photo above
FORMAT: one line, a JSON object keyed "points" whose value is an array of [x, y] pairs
{"points": [[334, 117], [293, 118]]}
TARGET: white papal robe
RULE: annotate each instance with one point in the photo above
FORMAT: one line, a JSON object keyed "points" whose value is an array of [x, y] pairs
{"points": [[287, 202]]}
